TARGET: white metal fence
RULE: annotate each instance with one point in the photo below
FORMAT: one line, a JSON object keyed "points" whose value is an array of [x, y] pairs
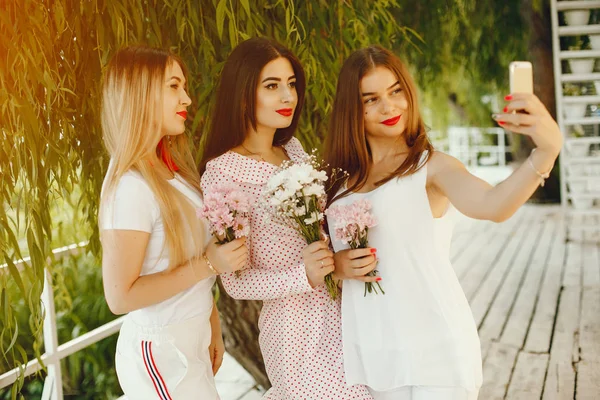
{"points": [[53, 388], [483, 147]]}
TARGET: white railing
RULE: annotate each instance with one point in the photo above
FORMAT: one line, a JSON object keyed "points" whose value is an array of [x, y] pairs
{"points": [[482, 150], [468, 144], [54, 352]]}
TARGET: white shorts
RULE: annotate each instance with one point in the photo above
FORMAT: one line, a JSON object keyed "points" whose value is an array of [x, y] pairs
{"points": [[166, 363], [425, 393]]}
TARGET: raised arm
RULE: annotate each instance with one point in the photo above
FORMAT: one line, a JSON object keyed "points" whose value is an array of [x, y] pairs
{"points": [[478, 199]]}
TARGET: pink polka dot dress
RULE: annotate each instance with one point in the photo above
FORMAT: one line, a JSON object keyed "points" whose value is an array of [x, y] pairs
{"points": [[300, 327]]}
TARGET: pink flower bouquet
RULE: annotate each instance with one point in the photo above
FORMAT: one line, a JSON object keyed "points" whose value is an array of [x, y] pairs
{"points": [[351, 224], [227, 210]]}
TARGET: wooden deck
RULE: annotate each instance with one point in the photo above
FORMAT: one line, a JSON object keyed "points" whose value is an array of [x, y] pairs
{"points": [[536, 301]]}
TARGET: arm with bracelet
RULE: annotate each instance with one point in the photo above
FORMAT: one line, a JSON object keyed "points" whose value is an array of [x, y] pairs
{"points": [[524, 114]]}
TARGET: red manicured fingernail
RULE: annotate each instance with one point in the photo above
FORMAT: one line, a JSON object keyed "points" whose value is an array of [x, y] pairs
{"points": [[508, 97], [378, 279], [505, 109], [501, 122], [373, 251]]}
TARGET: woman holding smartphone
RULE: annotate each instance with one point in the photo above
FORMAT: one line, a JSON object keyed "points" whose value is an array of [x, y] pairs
{"points": [[418, 341]]}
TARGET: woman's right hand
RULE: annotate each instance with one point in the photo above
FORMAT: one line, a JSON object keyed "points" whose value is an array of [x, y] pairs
{"points": [[228, 257], [356, 264], [318, 261]]}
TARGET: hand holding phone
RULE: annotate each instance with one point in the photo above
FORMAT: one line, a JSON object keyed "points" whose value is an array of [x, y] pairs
{"points": [[521, 77], [531, 117]]}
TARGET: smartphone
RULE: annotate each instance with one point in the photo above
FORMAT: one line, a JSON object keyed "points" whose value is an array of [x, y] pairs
{"points": [[521, 77]]}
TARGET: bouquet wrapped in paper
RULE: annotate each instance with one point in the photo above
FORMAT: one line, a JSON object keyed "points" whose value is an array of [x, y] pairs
{"points": [[295, 196], [351, 224]]}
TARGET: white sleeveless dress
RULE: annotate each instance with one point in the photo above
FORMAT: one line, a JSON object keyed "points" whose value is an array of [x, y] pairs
{"points": [[421, 332]]}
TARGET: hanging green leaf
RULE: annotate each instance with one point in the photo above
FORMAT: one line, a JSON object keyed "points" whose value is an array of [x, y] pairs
{"points": [[220, 17]]}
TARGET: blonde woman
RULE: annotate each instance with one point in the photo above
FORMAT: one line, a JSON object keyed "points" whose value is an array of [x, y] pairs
{"points": [[159, 263]]}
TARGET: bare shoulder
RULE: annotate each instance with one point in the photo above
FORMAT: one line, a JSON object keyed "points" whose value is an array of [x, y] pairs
{"points": [[442, 162]]}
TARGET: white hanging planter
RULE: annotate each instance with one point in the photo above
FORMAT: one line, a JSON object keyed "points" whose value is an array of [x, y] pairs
{"points": [[595, 42], [575, 110], [577, 17], [578, 187], [582, 204], [594, 185], [597, 87], [582, 66], [576, 170], [578, 149]]}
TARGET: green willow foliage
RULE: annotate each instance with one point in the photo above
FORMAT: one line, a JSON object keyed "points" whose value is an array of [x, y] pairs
{"points": [[52, 53], [52, 56]]}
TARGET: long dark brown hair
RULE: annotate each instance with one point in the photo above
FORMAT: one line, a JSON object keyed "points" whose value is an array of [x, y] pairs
{"points": [[235, 108], [346, 146]]}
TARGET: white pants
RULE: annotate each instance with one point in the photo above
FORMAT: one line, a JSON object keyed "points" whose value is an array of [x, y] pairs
{"points": [[425, 393], [166, 363]]}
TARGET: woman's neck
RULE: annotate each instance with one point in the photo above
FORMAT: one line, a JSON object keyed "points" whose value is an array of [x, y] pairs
{"points": [[384, 147], [260, 140]]}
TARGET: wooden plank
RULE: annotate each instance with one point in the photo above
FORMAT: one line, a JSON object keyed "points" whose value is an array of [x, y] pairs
{"points": [[477, 244], [497, 371], [572, 275], [483, 297], [461, 242], [495, 320], [590, 270], [521, 315], [588, 378], [560, 377], [589, 327], [588, 369], [540, 331], [527, 381], [485, 350], [574, 228], [482, 266]]}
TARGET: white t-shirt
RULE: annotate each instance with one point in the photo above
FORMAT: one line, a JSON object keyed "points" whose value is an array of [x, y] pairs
{"points": [[134, 207]]}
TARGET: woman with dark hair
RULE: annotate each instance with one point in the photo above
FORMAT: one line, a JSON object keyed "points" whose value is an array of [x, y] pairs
{"points": [[259, 100], [419, 340]]}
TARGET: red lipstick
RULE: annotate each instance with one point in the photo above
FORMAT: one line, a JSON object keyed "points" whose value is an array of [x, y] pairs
{"points": [[182, 114], [392, 121], [286, 112]]}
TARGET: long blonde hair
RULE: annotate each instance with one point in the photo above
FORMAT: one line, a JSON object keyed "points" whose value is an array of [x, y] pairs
{"points": [[132, 104]]}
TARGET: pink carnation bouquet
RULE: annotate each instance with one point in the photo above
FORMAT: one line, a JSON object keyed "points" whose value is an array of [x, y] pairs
{"points": [[351, 224], [227, 210]]}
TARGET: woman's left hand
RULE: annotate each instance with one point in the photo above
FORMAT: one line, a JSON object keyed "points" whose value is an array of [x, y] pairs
{"points": [[536, 123], [216, 351]]}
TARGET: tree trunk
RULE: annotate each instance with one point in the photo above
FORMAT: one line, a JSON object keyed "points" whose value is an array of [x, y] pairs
{"points": [[239, 321], [540, 51]]}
